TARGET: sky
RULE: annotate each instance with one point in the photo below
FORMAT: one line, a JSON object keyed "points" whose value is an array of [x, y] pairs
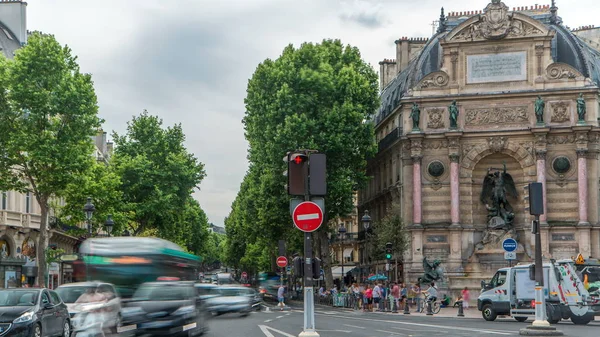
{"points": [[189, 61]]}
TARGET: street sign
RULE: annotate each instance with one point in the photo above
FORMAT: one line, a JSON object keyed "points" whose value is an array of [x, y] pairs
{"points": [[69, 258], [282, 261], [509, 245], [307, 216], [294, 202], [580, 259], [510, 255], [288, 269], [244, 275]]}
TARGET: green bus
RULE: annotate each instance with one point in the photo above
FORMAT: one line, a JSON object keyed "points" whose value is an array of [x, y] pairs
{"points": [[128, 262]]}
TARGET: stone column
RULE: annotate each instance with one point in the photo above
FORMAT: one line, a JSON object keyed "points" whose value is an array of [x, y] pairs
{"points": [[541, 178], [417, 202], [595, 241], [454, 190], [582, 186]]}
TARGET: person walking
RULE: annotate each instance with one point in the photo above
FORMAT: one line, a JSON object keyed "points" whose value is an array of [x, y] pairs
{"points": [[403, 295], [396, 296], [465, 298], [416, 288], [377, 297], [280, 297]]}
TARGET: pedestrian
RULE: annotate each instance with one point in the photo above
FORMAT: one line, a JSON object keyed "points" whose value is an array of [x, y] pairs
{"points": [[396, 296], [465, 298], [377, 297], [280, 297], [403, 295], [368, 299], [416, 288]]}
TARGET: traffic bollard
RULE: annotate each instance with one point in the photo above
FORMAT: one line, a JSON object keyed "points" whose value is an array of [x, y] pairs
{"points": [[461, 312], [406, 309], [395, 307], [429, 312]]}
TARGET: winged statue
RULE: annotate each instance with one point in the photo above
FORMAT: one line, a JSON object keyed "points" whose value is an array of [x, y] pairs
{"points": [[497, 185]]}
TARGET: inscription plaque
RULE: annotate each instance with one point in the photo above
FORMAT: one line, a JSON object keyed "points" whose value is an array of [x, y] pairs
{"points": [[502, 67]]}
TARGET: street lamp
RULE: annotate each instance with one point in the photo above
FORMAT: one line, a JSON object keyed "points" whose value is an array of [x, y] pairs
{"points": [[89, 212], [342, 232], [366, 221], [108, 225]]}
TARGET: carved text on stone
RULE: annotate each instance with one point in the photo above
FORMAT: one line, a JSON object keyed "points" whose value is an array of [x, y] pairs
{"points": [[500, 67]]}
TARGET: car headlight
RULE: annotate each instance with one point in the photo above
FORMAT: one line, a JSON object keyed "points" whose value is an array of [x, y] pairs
{"points": [[188, 309], [26, 317]]}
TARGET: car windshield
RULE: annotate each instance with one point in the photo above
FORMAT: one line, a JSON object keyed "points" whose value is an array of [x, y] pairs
{"points": [[163, 292], [72, 294], [18, 298], [207, 291], [232, 292]]}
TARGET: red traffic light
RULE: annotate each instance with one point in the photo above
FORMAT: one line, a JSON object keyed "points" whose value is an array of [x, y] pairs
{"points": [[298, 158]]}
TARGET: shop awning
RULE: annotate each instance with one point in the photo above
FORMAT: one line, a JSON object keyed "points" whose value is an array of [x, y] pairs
{"points": [[348, 252], [337, 271]]}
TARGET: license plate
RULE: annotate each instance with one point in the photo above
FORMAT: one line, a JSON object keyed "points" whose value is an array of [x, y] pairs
{"points": [[189, 326], [126, 328]]}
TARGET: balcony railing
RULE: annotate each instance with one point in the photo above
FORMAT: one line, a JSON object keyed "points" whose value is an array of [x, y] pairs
{"points": [[348, 237], [388, 140]]}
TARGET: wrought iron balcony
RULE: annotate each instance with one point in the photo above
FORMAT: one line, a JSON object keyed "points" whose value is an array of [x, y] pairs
{"points": [[348, 237], [388, 140]]}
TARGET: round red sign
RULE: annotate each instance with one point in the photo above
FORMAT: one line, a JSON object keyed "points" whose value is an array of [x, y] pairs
{"points": [[307, 216], [282, 261], [244, 275]]}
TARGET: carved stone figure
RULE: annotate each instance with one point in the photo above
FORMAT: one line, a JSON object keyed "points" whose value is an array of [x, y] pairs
{"points": [[453, 112], [496, 115], [539, 109], [430, 271], [435, 120], [581, 109], [415, 114], [496, 187]]}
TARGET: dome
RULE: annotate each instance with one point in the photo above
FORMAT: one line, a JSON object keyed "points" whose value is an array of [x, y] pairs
{"points": [[8, 42], [566, 48]]}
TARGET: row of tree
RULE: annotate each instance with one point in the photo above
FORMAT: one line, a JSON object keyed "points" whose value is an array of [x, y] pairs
{"points": [[48, 116], [320, 97]]}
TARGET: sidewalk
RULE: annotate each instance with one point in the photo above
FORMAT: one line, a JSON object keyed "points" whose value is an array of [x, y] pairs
{"points": [[444, 312]]}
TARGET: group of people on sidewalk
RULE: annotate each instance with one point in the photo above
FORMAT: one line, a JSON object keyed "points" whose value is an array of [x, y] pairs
{"points": [[394, 297]]}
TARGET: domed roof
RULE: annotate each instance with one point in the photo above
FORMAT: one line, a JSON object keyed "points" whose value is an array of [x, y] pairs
{"points": [[8, 42], [566, 48]]}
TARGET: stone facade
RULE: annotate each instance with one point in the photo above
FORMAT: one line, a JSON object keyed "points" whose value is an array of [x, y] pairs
{"points": [[494, 63]]}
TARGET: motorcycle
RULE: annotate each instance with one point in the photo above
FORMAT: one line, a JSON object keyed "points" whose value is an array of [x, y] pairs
{"points": [[88, 320]]}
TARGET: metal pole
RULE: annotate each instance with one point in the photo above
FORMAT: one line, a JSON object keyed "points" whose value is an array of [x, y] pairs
{"points": [[540, 303], [309, 329], [343, 275]]}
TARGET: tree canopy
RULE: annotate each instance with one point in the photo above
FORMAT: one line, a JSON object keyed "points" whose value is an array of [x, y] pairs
{"points": [[48, 111], [319, 97]]}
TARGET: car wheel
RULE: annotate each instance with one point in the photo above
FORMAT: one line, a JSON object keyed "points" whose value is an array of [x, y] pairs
{"points": [[66, 329], [488, 313], [37, 331], [521, 319]]}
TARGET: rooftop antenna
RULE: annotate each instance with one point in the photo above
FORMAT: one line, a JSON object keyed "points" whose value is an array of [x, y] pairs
{"points": [[434, 24]]}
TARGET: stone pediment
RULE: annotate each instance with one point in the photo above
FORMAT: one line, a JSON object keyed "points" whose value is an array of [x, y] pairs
{"points": [[562, 71], [434, 80], [497, 23]]}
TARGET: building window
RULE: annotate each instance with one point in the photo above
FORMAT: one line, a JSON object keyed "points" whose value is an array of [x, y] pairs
{"points": [[27, 202], [4, 200]]}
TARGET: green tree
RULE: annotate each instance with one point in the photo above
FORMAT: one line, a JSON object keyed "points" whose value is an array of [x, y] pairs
{"points": [[158, 174], [390, 229], [48, 111], [318, 96]]}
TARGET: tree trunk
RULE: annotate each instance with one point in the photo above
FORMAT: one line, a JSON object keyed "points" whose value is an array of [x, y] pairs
{"points": [[42, 244], [326, 258]]}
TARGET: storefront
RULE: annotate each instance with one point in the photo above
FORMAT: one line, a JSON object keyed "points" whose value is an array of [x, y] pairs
{"points": [[10, 266]]}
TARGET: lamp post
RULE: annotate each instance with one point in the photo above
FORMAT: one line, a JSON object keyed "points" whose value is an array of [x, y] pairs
{"points": [[366, 221], [342, 232], [89, 209], [108, 224]]}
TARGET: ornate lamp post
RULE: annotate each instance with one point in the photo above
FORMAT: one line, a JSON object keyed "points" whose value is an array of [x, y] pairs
{"points": [[366, 221], [108, 224], [89, 209], [342, 232]]}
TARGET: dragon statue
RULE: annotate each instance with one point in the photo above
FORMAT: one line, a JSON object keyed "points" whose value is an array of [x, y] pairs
{"points": [[431, 273], [496, 187]]}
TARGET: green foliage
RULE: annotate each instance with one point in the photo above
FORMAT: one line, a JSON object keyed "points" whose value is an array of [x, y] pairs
{"points": [[48, 111], [316, 97], [390, 229], [158, 176], [53, 255]]}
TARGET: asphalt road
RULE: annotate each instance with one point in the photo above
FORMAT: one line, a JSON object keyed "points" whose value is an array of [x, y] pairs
{"points": [[337, 323]]}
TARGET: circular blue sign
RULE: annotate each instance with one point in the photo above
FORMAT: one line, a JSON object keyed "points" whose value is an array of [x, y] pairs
{"points": [[509, 245]]}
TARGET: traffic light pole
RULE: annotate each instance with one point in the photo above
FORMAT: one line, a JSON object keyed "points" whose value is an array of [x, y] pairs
{"points": [[309, 298]]}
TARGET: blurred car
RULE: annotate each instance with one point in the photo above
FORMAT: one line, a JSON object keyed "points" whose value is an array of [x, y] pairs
{"points": [[92, 305], [26, 312], [206, 290], [168, 308], [231, 299], [254, 296]]}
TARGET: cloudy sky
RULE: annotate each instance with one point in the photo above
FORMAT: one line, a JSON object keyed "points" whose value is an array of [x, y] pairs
{"points": [[189, 61]]}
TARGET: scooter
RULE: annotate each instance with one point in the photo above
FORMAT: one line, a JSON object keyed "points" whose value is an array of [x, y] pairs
{"points": [[89, 320]]}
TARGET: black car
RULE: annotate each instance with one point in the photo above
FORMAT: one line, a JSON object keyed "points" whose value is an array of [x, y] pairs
{"points": [[169, 308], [33, 313]]}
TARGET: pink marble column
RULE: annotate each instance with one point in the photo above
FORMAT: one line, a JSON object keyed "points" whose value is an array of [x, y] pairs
{"points": [[417, 209], [454, 190], [541, 178], [582, 186]]}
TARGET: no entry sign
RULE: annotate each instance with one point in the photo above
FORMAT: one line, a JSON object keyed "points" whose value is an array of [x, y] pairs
{"points": [[307, 216], [282, 261]]}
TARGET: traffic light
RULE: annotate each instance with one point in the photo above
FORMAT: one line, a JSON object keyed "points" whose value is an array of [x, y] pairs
{"points": [[298, 266], [316, 268], [388, 251], [297, 173]]}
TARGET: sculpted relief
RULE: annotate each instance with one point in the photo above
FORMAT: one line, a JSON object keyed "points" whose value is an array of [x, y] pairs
{"points": [[496, 115], [435, 118], [560, 112]]}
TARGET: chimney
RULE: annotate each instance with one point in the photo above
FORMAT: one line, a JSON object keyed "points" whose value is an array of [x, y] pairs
{"points": [[13, 14], [109, 148]]}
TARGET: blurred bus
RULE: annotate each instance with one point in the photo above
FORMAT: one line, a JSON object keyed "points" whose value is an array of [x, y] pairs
{"points": [[128, 262], [268, 283]]}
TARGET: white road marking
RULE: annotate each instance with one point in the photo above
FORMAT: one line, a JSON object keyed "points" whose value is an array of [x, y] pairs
{"points": [[346, 331], [391, 332], [354, 326], [278, 317], [440, 331], [265, 329], [307, 216], [269, 320], [498, 332]]}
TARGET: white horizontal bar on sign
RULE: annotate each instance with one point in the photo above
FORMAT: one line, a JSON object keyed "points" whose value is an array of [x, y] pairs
{"points": [[308, 216]]}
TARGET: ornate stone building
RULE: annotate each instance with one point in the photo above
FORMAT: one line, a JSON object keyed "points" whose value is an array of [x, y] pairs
{"points": [[494, 63]]}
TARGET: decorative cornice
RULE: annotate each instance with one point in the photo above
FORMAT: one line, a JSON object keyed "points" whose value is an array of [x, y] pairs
{"points": [[417, 159], [540, 154], [454, 158], [581, 153]]}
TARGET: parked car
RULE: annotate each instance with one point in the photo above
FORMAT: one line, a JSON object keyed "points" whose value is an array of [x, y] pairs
{"points": [[168, 308], [92, 305], [231, 299], [27, 312]]}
